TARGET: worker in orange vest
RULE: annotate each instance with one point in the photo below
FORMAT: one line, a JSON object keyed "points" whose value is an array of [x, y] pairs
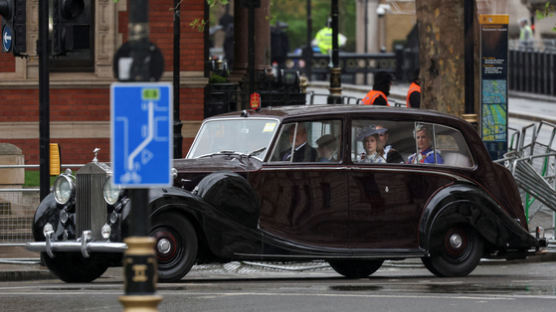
{"points": [[381, 90], [413, 98]]}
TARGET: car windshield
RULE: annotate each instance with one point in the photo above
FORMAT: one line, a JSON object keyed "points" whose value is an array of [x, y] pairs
{"points": [[250, 136]]}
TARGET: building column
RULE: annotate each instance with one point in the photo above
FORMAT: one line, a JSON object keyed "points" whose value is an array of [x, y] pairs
{"points": [[262, 39]]}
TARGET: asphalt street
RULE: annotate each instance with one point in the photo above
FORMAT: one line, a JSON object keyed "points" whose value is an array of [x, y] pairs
{"points": [[496, 286]]}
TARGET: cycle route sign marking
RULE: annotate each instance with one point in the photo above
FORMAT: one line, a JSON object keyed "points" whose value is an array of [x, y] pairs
{"points": [[141, 134]]}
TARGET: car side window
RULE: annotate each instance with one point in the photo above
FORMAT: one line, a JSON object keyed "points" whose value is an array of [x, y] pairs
{"points": [[452, 146], [439, 145], [314, 141], [381, 141]]}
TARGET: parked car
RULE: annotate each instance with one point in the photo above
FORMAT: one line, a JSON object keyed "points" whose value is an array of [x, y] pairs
{"points": [[260, 185]]}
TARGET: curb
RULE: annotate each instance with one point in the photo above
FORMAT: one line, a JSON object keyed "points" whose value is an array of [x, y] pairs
{"points": [[546, 257], [22, 275]]}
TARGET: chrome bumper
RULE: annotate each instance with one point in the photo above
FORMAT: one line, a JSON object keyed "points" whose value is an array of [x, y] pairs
{"points": [[83, 245]]}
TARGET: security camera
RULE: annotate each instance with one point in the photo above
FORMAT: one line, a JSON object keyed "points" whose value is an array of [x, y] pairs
{"points": [[382, 9]]}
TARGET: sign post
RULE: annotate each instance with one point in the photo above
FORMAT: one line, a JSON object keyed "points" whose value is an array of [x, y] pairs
{"points": [[141, 150], [494, 83]]}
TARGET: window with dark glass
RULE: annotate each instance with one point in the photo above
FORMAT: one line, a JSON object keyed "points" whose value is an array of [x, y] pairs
{"points": [[71, 35], [316, 141]]}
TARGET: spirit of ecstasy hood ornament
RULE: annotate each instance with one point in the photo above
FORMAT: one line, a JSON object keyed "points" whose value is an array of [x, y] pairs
{"points": [[95, 152]]}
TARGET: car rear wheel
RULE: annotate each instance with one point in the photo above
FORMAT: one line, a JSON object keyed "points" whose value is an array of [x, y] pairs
{"points": [[455, 250], [355, 268], [176, 246], [74, 268]]}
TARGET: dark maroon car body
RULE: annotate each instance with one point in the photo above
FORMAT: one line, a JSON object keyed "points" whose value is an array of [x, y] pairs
{"points": [[353, 215]]}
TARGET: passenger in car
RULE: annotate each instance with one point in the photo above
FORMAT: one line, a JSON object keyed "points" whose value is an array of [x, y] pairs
{"points": [[327, 148], [303, 151], [426, 155], [373, 147], [392, 155]]}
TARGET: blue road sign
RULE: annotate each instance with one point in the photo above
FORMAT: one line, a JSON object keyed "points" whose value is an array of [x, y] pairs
{"points": [[141, 134], [7, 38]]}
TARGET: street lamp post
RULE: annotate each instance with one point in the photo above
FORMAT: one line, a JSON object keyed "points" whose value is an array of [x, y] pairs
{"points": [[335, 96], [470, 115], [309, 48]]}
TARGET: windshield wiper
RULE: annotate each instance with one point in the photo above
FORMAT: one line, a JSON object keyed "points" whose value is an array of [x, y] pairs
{"points": [[257, 152]]}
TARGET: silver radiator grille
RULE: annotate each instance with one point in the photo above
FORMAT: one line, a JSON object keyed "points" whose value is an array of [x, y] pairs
{"points": [[90, 208]]}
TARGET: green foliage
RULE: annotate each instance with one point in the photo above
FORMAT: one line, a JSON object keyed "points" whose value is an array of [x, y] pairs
{"points": [[546, 12], [294, 13], [198, 24], [32, 178], [212, 3], [215, 78]]}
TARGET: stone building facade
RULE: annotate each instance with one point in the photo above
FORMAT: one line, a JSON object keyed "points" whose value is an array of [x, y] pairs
{"points": [[80, 100]]}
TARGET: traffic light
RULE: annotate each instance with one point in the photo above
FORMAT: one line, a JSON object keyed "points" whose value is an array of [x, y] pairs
{"points": [[14, 33], [71, 26]]}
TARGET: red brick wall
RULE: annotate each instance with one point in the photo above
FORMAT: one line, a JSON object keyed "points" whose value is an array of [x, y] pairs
{"points": [[73, 151], [93, 104], [162, 32]]}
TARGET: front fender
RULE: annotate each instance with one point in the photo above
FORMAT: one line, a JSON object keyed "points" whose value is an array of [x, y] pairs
{"points": [[222, 234], [47, 212], [473, 206]]}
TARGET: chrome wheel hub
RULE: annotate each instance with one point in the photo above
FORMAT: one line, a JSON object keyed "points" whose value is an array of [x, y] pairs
{"points": [[456, 241], [163, 246]]}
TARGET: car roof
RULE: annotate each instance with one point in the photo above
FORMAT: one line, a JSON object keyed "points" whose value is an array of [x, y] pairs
{"points": [[300, 111]]}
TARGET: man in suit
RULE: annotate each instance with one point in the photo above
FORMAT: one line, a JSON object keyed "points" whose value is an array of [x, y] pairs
{"points": [[392, 155], [302, 152]]}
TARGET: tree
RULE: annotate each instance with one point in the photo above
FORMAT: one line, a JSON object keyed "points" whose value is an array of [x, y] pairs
{"points": [[441, 54]]}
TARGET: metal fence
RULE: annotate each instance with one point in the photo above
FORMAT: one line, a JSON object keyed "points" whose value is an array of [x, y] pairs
{"points": [[17, 209], [352, 65], [532, 71], [532, 161]]}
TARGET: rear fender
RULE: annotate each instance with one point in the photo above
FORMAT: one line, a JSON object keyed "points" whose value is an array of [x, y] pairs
{"points": [[466, 203]]}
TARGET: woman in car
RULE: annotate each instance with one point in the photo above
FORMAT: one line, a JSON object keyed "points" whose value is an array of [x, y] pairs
{"points": [[374, 150]]}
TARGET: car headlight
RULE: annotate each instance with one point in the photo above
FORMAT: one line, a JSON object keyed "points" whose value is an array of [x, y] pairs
{"points": [[111, 192], [64, 188]]}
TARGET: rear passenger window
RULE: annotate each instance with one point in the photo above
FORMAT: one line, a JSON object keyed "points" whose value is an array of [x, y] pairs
{"points": [[408, 142], [439, 145], [452, 146]]}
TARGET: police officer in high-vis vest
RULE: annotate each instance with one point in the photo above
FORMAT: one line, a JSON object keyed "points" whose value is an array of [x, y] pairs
{"points": [[381, 90], [413, 98]]}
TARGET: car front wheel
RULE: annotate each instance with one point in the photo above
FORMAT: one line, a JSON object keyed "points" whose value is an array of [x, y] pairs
{"points": [[455, 250], [355, 268], [176, 246]]}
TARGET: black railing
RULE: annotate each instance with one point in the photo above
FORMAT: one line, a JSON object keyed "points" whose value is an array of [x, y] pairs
{"points": [[532, 71], [351, 64]]}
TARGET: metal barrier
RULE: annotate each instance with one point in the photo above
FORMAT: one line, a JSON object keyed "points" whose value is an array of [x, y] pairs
{"points": [[532, 162], [17, 208], [322, 98]]}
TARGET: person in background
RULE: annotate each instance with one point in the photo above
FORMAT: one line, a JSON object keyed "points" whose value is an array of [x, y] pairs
{"points": [[413, 98], [279, 47], [426, 155], [327, 148], [374, 150], [381, 90], [525, 35], [391, 154], [323, 38]]}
